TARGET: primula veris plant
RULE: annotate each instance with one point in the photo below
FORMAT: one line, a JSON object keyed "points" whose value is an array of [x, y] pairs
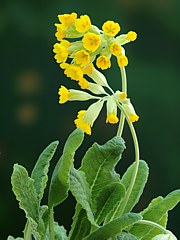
{"points": [[105, 200]]}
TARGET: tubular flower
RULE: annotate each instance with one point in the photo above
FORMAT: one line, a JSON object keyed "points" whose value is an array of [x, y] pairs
{"points": [[73, 95], [103, 62], [111, 28], [129, 109], [122, 60], [83, 83], [60, 34], [88, 69], [61, 51], [131, 36], [82, 58], [64, 95], [91, 41], [111, 111], [86, 118], [115, 49], [67, 19], [74, 72], [83, 24]]}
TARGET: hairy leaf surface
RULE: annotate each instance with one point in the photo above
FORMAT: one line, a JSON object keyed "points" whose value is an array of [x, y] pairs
{"points": [[60, 182]]}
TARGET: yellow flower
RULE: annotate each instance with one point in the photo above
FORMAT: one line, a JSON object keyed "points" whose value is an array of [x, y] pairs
{"points": [[91, 41], [64, 94], [67, 19], [83, 83], [131, 36], [88, 69], [123, 95], [103, 62], [112, 118], [74, 72], [73, 95], [115, 49], [86, 118], [133, 118], [60, 34], [83, 24], [111, 110], [122, 60], [111, 28], [61, 52], [82, 58], [84, 126]]}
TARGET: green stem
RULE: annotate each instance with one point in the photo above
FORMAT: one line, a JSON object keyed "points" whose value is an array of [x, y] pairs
{"points": [[27, 231], [51, 223], [136, 148], [153, 224], [124, 89]]}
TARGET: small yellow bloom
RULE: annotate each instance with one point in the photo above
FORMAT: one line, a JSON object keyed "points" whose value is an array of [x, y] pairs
{"points": [[115, 49], [65, 43], [82, 58], [64, 94], [61, 52], [111, 28], [122, 60], [60, 34], [80, 123], [83, 24], [67, 19], [131, 36], [103, 62], [88, 69], [123, 95], [74, 72], [91, 41], [133, 118], [83, 83], [112, 118]]}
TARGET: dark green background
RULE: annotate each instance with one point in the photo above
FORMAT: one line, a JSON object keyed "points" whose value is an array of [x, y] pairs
{"points": [[30, 114]]}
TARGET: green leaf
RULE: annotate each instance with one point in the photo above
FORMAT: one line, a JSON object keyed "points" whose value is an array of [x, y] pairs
{"points": [[139, 185], [114, 227], [39, 173], [98, 165], [59, 232], [59, 186], [24, 190], [80, 190], [156, 212], [109, 197], [81, 225], [12, 238], [125, 236], [43, 220]]}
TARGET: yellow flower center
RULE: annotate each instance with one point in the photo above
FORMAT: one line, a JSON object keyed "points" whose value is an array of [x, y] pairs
{"points": [[83, 24], [115, 49], [111, 28], [82, 57], [103, 62], [91, 41]]}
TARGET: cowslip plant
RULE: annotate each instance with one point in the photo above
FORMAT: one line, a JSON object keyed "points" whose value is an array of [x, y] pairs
{"points": [[105, 200]]}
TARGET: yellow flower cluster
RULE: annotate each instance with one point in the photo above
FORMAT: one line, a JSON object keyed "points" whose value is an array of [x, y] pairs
{"points": [[91, 45]]}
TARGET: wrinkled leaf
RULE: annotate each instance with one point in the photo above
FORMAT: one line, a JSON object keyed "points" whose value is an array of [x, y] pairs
{"points": [[156, 212], [98, 165], [125, 236], [12, 238], [39, 173], [24, 190], [59, 232], [80, 226], [109, 197], [114, 227], [60, 182], [80, 190]]}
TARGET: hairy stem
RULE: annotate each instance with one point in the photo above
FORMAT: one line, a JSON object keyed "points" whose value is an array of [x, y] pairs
{"points": [[153, 224], [51, 223], [124, 89]]}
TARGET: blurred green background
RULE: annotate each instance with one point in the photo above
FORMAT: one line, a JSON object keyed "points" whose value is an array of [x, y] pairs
{"points": [[30, 114]]}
